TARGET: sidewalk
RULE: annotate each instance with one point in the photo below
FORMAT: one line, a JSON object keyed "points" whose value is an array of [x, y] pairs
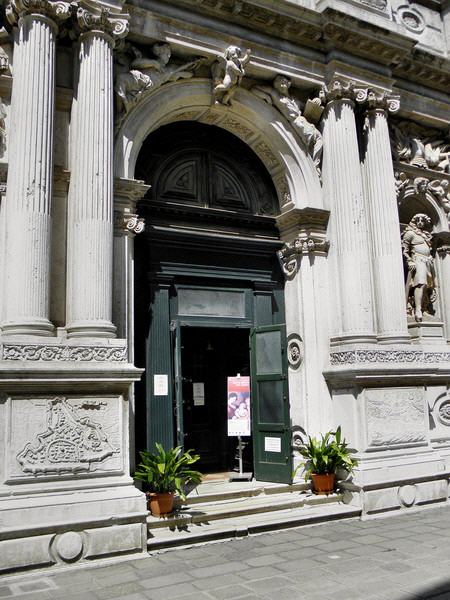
{"points": [[399, 557]]}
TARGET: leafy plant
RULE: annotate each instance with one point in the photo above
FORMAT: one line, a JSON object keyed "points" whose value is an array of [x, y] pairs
{"points": [[168, 470], [327, 454]]}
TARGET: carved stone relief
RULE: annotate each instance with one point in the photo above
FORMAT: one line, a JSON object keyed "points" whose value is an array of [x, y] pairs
{"points": [[2, 128], [395, 417], [137, 74], [354, 357], [420, 146], [54, 436], [411, 18], [227, 73], [303, 245], [279, 96], [438, 188], [294, 351]]}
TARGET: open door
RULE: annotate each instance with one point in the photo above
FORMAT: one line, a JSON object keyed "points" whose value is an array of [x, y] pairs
{"points": [[178, 378], [271, 425]]}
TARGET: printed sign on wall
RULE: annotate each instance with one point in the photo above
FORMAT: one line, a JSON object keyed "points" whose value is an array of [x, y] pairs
{"points": [[238, 406]]}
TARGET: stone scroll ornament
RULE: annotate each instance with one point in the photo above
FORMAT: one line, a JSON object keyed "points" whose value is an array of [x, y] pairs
{"points": [[72, 442], [137, 74], [419, 146], [278, 94], [227, 73], [421, 281]]}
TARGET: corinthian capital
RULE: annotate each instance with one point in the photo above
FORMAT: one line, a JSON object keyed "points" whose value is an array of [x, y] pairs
{"points": [[56, 10], [91, 18], [372, 99]]}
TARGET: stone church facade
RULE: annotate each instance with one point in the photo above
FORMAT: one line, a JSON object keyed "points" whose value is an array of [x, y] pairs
{"points": [[183, 180]]}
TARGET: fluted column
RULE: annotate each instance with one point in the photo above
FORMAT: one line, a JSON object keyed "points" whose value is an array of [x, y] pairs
{"points": [[90, 216], [343, 191], [26, 291], [443, 254], [381, 202]]}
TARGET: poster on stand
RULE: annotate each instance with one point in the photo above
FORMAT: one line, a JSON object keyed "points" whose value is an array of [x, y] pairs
{"points": [[238, 406]]}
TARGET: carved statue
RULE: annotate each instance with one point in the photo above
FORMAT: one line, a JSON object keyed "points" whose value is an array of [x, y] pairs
{"points": [[417, 145], [278, 95], [228, 72], [4, 62], [420, 282], [142, 73]]}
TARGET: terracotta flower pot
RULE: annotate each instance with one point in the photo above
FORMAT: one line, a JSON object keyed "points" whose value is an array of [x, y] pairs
{"points": [[323, 484], [160, 503]]}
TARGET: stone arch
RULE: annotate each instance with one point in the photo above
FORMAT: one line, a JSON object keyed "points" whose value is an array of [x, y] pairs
{"points": [[259, 125], [413, 200]]}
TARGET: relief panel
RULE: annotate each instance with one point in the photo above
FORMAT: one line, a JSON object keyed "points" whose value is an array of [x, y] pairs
{"points": [[64, 436], [395, 417]]}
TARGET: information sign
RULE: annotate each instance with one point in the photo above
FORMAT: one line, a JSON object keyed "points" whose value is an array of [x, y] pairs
{"points": [[238, 406]]}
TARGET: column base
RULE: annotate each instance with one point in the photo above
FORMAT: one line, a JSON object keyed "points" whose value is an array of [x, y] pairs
{"points": [[88, 329], [28, 327], [394, 338], [353, 338]]}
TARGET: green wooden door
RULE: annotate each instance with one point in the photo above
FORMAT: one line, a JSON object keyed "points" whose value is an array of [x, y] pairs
{"points": [[270, 404]]}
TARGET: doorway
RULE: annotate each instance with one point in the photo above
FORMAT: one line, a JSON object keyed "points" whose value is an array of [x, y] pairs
{"points": [[208, 357]]}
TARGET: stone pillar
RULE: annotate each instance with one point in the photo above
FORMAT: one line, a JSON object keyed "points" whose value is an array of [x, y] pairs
{"points": [[90, 216], [304, 262], [381, 202], [26, 291], [343, 192]]}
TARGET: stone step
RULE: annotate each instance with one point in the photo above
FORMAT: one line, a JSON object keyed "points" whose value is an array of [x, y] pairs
{"points": [[231, 507], [189, 533]]}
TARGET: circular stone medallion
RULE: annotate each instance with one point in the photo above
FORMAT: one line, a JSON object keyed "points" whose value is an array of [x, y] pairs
{"points": [[407, 495], [69, 545]]}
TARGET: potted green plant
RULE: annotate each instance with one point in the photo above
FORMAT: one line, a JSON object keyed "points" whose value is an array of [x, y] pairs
{"points": [[324, 457], [165, 472]]}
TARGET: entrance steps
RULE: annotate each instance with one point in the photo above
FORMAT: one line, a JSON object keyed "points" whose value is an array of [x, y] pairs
{"points": [[222, 510]]}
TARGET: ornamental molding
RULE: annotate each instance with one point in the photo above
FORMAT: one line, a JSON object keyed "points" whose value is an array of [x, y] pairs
{"points": [[305, 244], [56, 10], [129, 223], [353, 357], [49, 353]]}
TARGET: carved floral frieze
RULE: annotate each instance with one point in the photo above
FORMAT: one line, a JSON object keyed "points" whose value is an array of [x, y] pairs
{"points": [[354, 357], [36, 352]]}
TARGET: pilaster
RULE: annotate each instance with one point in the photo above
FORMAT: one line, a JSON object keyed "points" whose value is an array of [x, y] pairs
{"points": [[343, 192], [381, 203], [304, 262], [26, 289], [443, 256], [90, 218]]}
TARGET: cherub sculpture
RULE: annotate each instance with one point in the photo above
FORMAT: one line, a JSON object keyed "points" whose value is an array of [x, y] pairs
{"points": [[227, 72], [139, 74], [420, 282], [279, 96]]}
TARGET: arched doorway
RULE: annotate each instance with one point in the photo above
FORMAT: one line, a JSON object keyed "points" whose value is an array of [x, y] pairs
{"points": [[207, 284]]}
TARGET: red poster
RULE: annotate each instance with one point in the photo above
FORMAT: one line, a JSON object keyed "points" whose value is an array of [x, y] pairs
{"points": [[238, 405]]}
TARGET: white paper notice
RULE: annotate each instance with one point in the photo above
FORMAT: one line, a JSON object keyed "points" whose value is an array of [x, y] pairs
{"points": [[160, 385], [272, 444], [198, 391]]}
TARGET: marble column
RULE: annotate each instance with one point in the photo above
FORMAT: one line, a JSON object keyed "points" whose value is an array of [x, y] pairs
{"points": [[90, 214], [344, 197], [26, 288], [381, 202]]}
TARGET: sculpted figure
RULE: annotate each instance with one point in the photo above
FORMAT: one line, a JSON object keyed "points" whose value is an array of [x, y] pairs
{"points": [[227, 72], [279, 96], [416, 243], [142, 73], [419, 146]]}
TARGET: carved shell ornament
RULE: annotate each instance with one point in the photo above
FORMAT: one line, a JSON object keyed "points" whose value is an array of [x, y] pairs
{"points": [[411, 18]]}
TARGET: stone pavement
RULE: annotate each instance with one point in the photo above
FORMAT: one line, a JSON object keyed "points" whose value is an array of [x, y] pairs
{"points": [[398, 557]]}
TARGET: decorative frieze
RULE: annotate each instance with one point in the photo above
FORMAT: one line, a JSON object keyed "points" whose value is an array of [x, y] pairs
{"points": [[64, 353], [355, 357], [304, 244]]}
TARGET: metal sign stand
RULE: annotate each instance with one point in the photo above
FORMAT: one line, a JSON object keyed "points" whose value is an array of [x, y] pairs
{"points": [[241, 476]]}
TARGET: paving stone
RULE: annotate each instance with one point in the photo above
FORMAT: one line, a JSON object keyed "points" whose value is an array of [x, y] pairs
{"points": [[210, 583], [171, 591], [259, 572], [117, 591], [165, 580], [265, 559], [220, 569], [268, 585], [231, 591]]}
